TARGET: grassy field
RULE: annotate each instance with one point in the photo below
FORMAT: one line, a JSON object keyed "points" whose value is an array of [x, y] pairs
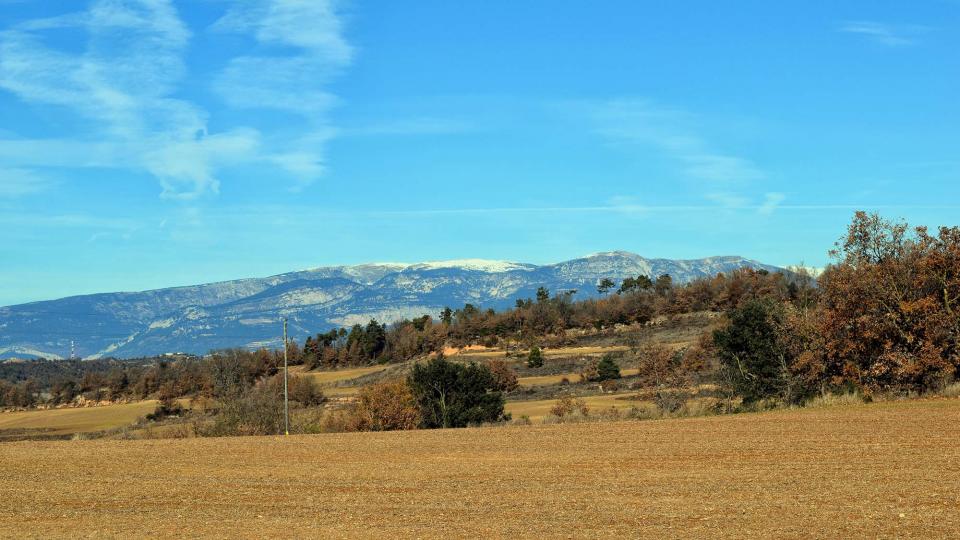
{"points": [[328, 377], [537, 409], [561, 351], [880, 470], [77, 420], [544, 380]]}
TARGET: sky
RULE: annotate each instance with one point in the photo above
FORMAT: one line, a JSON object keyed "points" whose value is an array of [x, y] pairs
{"points": [[152, 143]]}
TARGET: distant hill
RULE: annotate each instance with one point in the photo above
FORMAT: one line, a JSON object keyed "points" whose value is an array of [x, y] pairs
{"points": [[245, 312]]}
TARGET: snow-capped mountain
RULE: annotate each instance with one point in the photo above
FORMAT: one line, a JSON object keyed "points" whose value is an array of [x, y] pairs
{"points": [[246, 312]]}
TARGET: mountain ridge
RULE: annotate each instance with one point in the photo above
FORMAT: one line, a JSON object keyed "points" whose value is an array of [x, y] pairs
{"points": [[244, 312]]}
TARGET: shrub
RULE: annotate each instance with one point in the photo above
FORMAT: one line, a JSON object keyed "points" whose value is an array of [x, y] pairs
{"points": [[505, 378], [258, 411], [535, 358], [607, 368], [567, 405], [339, 421], [669, 401], [167, 406], [304, 391], [455, 395], [609, 385], [750, 351], [387, 406]]}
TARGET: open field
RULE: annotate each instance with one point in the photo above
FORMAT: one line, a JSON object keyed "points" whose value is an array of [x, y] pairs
{"points": [[537, 409], [76, 420], [327, 377], [544, 380], [881, 470], [560, 351]]}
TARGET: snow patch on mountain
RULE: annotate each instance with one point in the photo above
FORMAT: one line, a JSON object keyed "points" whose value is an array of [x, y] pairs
{"points": [[478, 265]]}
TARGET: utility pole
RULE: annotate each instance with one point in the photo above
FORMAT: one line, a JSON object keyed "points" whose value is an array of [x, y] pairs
{"points": [[286, 403]]}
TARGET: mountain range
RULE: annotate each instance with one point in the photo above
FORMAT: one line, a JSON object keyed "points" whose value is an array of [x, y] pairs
{"points": [[247, 312]]}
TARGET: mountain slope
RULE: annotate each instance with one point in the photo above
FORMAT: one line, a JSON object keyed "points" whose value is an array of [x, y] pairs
{"points": [[246, 312]]}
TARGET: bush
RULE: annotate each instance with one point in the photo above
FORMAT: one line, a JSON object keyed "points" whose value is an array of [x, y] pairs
{"points": [[669, 401], [304, 391], [567, 405], [750, 351], [166, 407], [455, 395], [387, 406], [257, 412], [607, 368], [505, 378], [535, 358]]}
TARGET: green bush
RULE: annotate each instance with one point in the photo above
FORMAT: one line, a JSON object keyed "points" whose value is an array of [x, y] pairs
{"points": [[455, 395], [535, 358], [607, 368]]}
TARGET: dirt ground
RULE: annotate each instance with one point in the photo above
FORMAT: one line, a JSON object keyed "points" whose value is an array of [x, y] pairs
{"points": [[880, 470]]}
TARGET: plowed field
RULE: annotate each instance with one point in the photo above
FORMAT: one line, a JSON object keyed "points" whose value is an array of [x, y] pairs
{"points": [[881, 470]]}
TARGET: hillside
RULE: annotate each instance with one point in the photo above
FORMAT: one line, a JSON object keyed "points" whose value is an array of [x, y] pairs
{"points": [[245, 312], [880, 470]]}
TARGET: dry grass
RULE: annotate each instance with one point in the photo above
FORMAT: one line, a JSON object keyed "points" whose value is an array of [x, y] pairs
{"points": [[537, 409], [561, 351], [545, 380], [334, 376], [76, 420], [951, 391], [880, 470]]}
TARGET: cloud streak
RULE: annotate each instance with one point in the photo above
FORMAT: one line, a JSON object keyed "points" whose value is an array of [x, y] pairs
{"points": [[721, 177], [126, 85], [884, 34], [18, 182], [639, 121], [291, 83]]}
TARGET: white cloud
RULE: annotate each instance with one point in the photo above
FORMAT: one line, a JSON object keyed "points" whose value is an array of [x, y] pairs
{"points": [[885, 34], [770, 203], [312, 25], [728, 200], [293, 83], [126, 84], [639, 121]]}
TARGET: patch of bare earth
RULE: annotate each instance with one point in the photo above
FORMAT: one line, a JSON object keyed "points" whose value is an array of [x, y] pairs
{"points": [[883, 470]]}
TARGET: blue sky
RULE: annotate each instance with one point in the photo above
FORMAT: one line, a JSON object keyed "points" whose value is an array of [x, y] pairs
{"points": [[153, 143]]}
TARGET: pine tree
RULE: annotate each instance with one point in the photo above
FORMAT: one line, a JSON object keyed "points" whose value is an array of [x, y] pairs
{"points": [[607, 368], [535, 358]]}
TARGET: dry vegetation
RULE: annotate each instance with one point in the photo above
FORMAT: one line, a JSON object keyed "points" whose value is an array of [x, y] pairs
{"points": [[58, 422], [880, 470], [538, 409]]}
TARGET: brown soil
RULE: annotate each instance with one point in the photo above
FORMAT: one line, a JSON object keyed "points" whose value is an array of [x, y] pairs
{"points": [[882, 470]]}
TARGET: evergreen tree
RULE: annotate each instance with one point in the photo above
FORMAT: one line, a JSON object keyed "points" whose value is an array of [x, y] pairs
{"points": [[605, 285], [750, 351], [454, 395], [535, 358], [543, 294], [607, 368]]}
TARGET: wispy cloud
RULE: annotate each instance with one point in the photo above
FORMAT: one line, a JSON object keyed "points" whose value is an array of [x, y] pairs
{"points": [[127, 84], [289, 82], [885, 34], [770, 203], [640, 121], [18, 182], [727, 179]]}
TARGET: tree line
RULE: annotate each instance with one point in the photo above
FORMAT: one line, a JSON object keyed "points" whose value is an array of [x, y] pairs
{"points": [[884, 316]]}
